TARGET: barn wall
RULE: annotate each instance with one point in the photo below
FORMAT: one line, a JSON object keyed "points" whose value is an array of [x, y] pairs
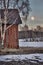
{"points": [[0, 36], [11, 37]]}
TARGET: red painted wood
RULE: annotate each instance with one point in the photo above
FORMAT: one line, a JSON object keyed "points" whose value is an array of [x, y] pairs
{"points": [[11, 37], [0, 35]]}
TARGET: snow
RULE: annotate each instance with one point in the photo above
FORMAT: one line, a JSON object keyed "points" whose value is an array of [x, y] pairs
{"points": [[23, 43], [32, 57]]}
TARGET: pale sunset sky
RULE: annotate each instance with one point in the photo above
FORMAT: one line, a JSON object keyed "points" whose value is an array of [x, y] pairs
{"points": [[36, 13]]}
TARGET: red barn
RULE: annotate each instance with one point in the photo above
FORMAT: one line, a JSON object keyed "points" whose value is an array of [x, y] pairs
{"points": [[11, 34]]}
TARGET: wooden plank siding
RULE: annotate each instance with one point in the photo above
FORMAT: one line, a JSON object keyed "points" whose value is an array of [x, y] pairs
{"points": [[11, 37], [30, 34], [0, 36]]}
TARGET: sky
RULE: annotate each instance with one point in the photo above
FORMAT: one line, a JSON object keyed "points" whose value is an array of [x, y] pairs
{"points": [[37, 13]]}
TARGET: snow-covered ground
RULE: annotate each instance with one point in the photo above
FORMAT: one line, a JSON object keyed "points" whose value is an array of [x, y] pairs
{"points": [[23, 43], [31, 57]]}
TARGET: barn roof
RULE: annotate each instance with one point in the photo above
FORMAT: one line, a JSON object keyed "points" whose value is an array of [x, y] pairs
{"points": [[13, 16]]}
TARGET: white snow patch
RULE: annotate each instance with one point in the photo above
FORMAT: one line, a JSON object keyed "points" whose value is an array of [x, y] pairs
{"points": [[35, 57], [29, 44]]}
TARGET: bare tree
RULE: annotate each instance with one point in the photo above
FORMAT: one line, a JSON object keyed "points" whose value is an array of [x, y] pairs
{"points": [[5, 19], [22, 6]]}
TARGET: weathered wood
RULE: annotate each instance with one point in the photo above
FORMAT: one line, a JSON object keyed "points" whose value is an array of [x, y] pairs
{"points": [[11, 37]]}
